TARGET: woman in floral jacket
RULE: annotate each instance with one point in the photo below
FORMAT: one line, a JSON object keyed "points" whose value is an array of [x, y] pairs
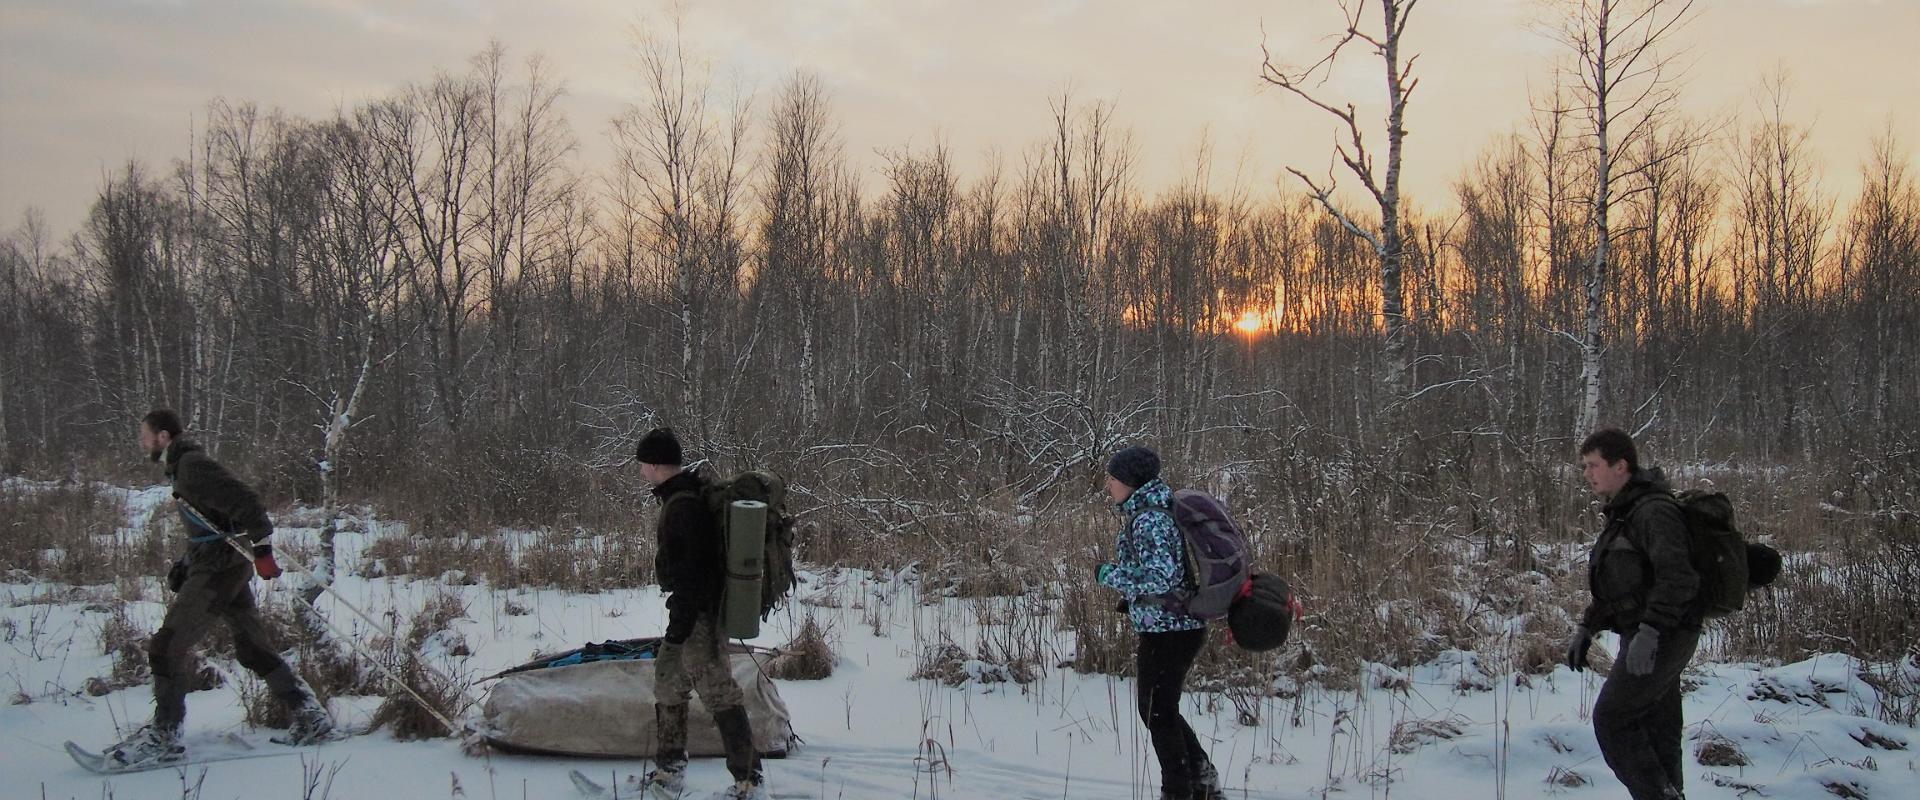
{"points": [[1149, 562]]}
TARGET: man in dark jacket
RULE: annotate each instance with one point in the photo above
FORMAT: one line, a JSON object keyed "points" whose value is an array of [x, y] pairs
{"points": [[211, 583], [691, 564], [1645, 589]]}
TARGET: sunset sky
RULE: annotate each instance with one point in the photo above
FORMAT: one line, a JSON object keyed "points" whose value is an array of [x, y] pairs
{"points": [[86, 84]]}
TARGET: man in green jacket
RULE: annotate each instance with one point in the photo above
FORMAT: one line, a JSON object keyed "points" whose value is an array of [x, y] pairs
{"points": [[210, 584], [1645, 589]]}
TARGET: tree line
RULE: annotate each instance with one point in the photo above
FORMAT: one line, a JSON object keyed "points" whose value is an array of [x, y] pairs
{"points": [[428, 296]]}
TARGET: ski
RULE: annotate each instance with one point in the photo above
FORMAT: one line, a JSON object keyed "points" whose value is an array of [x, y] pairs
{"points": [[594, 791], [226, 747], [634, 788], [334, 735], [238, 749]]}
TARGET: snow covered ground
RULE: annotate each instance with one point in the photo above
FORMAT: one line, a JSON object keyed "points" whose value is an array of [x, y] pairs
{"points": [[1443, 730]]}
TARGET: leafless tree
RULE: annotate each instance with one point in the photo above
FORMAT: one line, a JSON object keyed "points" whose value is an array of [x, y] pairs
{"points": [[1387, 237], [682, 164], [1780, 226], [1880, 277], [1621, 78], [799, 233]]}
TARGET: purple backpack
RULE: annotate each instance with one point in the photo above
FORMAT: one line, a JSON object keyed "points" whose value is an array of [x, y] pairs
{"points": [[1216, 557]]}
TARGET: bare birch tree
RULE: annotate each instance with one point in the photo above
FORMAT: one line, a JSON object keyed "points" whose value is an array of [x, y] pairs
{"points": [[1385, 239], [1621, 78], [682, 161]]}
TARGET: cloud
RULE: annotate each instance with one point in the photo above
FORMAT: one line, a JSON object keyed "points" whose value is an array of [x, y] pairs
{"points": [[87, 83]]}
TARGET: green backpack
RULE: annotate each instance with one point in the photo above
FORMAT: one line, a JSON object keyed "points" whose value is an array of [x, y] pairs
{"points": [[776, 562]]}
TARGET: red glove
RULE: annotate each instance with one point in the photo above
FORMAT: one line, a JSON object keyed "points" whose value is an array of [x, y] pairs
{"points": [[265, 566]]}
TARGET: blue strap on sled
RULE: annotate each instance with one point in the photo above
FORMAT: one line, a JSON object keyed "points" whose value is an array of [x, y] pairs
{"points": [[605, 651]]}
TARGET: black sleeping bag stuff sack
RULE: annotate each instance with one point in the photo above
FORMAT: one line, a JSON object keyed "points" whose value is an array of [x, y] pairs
{"points": [[1263, 615]]}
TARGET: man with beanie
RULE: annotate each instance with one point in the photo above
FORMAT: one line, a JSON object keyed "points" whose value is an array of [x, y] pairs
{"points": [[1148, 563], [1645, 589], [211, 583], [691, 563]]}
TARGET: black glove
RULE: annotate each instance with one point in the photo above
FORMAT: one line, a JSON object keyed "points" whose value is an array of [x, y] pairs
{"points": [[1640, 651], [177, 574], [1577, 648]]}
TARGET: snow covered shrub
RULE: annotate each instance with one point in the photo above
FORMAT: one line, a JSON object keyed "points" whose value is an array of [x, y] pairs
{"points": [[1410, 735], [949, 664], [1714, 750], [402, 713], [438, 615], [1897, 685], [809, 657]]}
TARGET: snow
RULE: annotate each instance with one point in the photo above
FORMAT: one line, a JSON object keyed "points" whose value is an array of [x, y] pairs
{"points": [[1451, 728]]}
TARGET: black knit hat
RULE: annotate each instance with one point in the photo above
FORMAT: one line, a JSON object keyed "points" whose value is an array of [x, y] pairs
{"points": [[1134, 466], [659, 446]]}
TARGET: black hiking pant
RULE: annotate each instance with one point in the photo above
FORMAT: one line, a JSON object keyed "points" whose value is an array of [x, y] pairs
{"points": [[207, 597], [1161, 663], [1637, 718]]}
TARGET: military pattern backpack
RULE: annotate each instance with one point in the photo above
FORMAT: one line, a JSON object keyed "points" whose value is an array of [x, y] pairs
{"points": [[777, 578]]}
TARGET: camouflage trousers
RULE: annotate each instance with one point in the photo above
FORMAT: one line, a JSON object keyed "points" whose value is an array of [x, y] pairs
{"points": [[697, 664]]}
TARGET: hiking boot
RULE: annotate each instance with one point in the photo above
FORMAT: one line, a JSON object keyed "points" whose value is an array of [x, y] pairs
{"points": [[310, 724], [736, 736], [1206, 783], [149, 745], [748, 789], [667, 781]]}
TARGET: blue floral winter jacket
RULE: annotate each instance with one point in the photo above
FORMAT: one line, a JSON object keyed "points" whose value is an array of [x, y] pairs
{"points": [[1149, 559]]}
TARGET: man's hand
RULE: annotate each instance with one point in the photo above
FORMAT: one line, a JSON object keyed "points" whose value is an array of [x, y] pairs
{"points": [[1640, 652], [1577, 648], [263, 563]]}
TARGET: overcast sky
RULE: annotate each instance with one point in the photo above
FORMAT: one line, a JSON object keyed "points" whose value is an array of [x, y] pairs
{"points": [[87, 84]]}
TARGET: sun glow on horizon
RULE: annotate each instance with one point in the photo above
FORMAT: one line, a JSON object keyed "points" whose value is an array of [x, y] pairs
{"points": [[1250, 322]]}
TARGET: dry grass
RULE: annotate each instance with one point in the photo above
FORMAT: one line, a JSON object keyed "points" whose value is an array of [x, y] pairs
{"points": [[570, 560], [809, 657], [1714, 750], [127, 643], [1410, 735], [401, 713], [1400, 555], [72, 533], [951, 665]]}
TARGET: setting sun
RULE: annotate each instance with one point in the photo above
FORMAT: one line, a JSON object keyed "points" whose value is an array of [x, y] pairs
{"points": [[1249, 322]]}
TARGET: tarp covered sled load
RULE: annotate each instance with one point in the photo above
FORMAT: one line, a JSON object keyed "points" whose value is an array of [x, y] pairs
{"points": [[598, 701]]}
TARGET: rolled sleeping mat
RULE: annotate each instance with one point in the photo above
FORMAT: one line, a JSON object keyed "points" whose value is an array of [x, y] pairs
{"points": [[746, 550]]}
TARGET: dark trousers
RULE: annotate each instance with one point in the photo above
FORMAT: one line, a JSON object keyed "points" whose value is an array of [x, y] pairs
{"points": [[207, 597], [1161, 662], [1637, 718]]}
